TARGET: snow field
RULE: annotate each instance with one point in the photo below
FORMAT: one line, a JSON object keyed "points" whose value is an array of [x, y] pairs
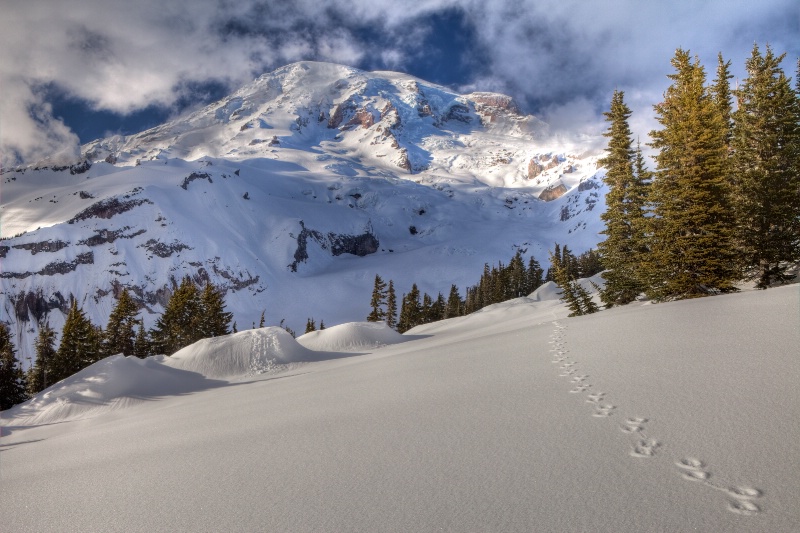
{"points": [[668, 417]]}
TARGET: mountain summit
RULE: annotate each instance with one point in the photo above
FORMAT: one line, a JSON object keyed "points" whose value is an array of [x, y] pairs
{"points": [[291, 194], [383, 119]]}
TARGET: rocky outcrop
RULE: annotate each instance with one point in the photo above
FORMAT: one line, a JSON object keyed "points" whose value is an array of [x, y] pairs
{"points": [[195, 176], [34, 305], [337, 243], [534, 169], [538, 165], [339, 113], [56, 267], [44, 246], [162, 249], [106, 236], [362, 117], [500, 101], [553, 192], [80, 168], [108, 208]]}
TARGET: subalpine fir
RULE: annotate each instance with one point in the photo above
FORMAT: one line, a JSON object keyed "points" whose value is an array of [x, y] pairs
{"points": [[766, 148], [691, 247]]}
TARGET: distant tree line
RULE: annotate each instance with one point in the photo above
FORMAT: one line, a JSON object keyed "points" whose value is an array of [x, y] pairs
{"points": [[498, 283], [191, 314]]}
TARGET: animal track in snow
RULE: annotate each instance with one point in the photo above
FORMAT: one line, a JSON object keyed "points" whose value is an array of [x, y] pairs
{"points": [[633, 425], [645, 448], [739, 498], [603, 410]]}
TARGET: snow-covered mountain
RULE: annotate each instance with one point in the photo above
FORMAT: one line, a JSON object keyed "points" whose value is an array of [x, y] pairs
{"points": [[292, 193]]}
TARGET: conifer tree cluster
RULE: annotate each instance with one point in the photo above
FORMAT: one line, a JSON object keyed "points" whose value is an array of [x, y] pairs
{"points": [[723, 203], [504, 282], [190, 315], [383, 303], [578, 299], [497, 284], [13, 383]]}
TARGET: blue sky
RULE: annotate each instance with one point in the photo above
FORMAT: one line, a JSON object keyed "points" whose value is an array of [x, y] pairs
{"points": [[75, 70]]}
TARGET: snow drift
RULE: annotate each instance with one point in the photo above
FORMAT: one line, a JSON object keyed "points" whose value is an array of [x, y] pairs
{"points": [[352, 337], [246, 353]]}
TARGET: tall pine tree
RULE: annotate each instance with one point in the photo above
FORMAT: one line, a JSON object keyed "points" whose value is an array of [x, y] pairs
{"points": [[691, 243], [119, 334], [213, 320], [141, 344], [766, 144], [40, 375], [80, 345], [177, 326], [12, 378], [624, 215], [391, 306], [377, 301]]}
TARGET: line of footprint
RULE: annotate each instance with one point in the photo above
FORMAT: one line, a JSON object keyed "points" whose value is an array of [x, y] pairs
{"points": [[740, 499]]}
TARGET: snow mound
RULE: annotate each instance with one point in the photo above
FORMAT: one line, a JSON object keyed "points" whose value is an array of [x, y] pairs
{"points": [[352, 337], [246, 353], [112, 383]]}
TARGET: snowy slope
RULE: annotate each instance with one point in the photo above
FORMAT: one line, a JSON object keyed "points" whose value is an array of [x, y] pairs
{"points": [[291, 194], [668, 417]]}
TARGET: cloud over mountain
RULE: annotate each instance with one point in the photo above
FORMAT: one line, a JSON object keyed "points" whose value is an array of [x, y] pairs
{"points": [[122, 57]]}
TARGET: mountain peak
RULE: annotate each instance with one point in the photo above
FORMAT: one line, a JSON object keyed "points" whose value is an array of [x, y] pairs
{"points": [[391, 116]]}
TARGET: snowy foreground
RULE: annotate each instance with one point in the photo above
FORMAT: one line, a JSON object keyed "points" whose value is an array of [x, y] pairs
{"points": [[671, 417]]}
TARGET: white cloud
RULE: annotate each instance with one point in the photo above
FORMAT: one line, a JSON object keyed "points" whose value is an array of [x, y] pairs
{"points": [[552, 54]]}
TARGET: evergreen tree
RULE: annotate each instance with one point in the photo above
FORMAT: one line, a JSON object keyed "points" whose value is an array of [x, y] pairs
{"points": [[534, 275], [624, 211], [40, 375], [427, 314], [578, 299], [722, 96], [119, 334], [454, 304], [691, 244], [569, 292], [378, 300], [767, 168], [141, 344], [516, 277], [12, 379], [391, 306], [213, 320], [310, 325], [79, 346], [177, 326], [262, 321], [321, 325], [410, 310]]}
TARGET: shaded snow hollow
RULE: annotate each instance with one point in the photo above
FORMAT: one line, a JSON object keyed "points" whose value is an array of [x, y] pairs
{"points": [[672, 417]]}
